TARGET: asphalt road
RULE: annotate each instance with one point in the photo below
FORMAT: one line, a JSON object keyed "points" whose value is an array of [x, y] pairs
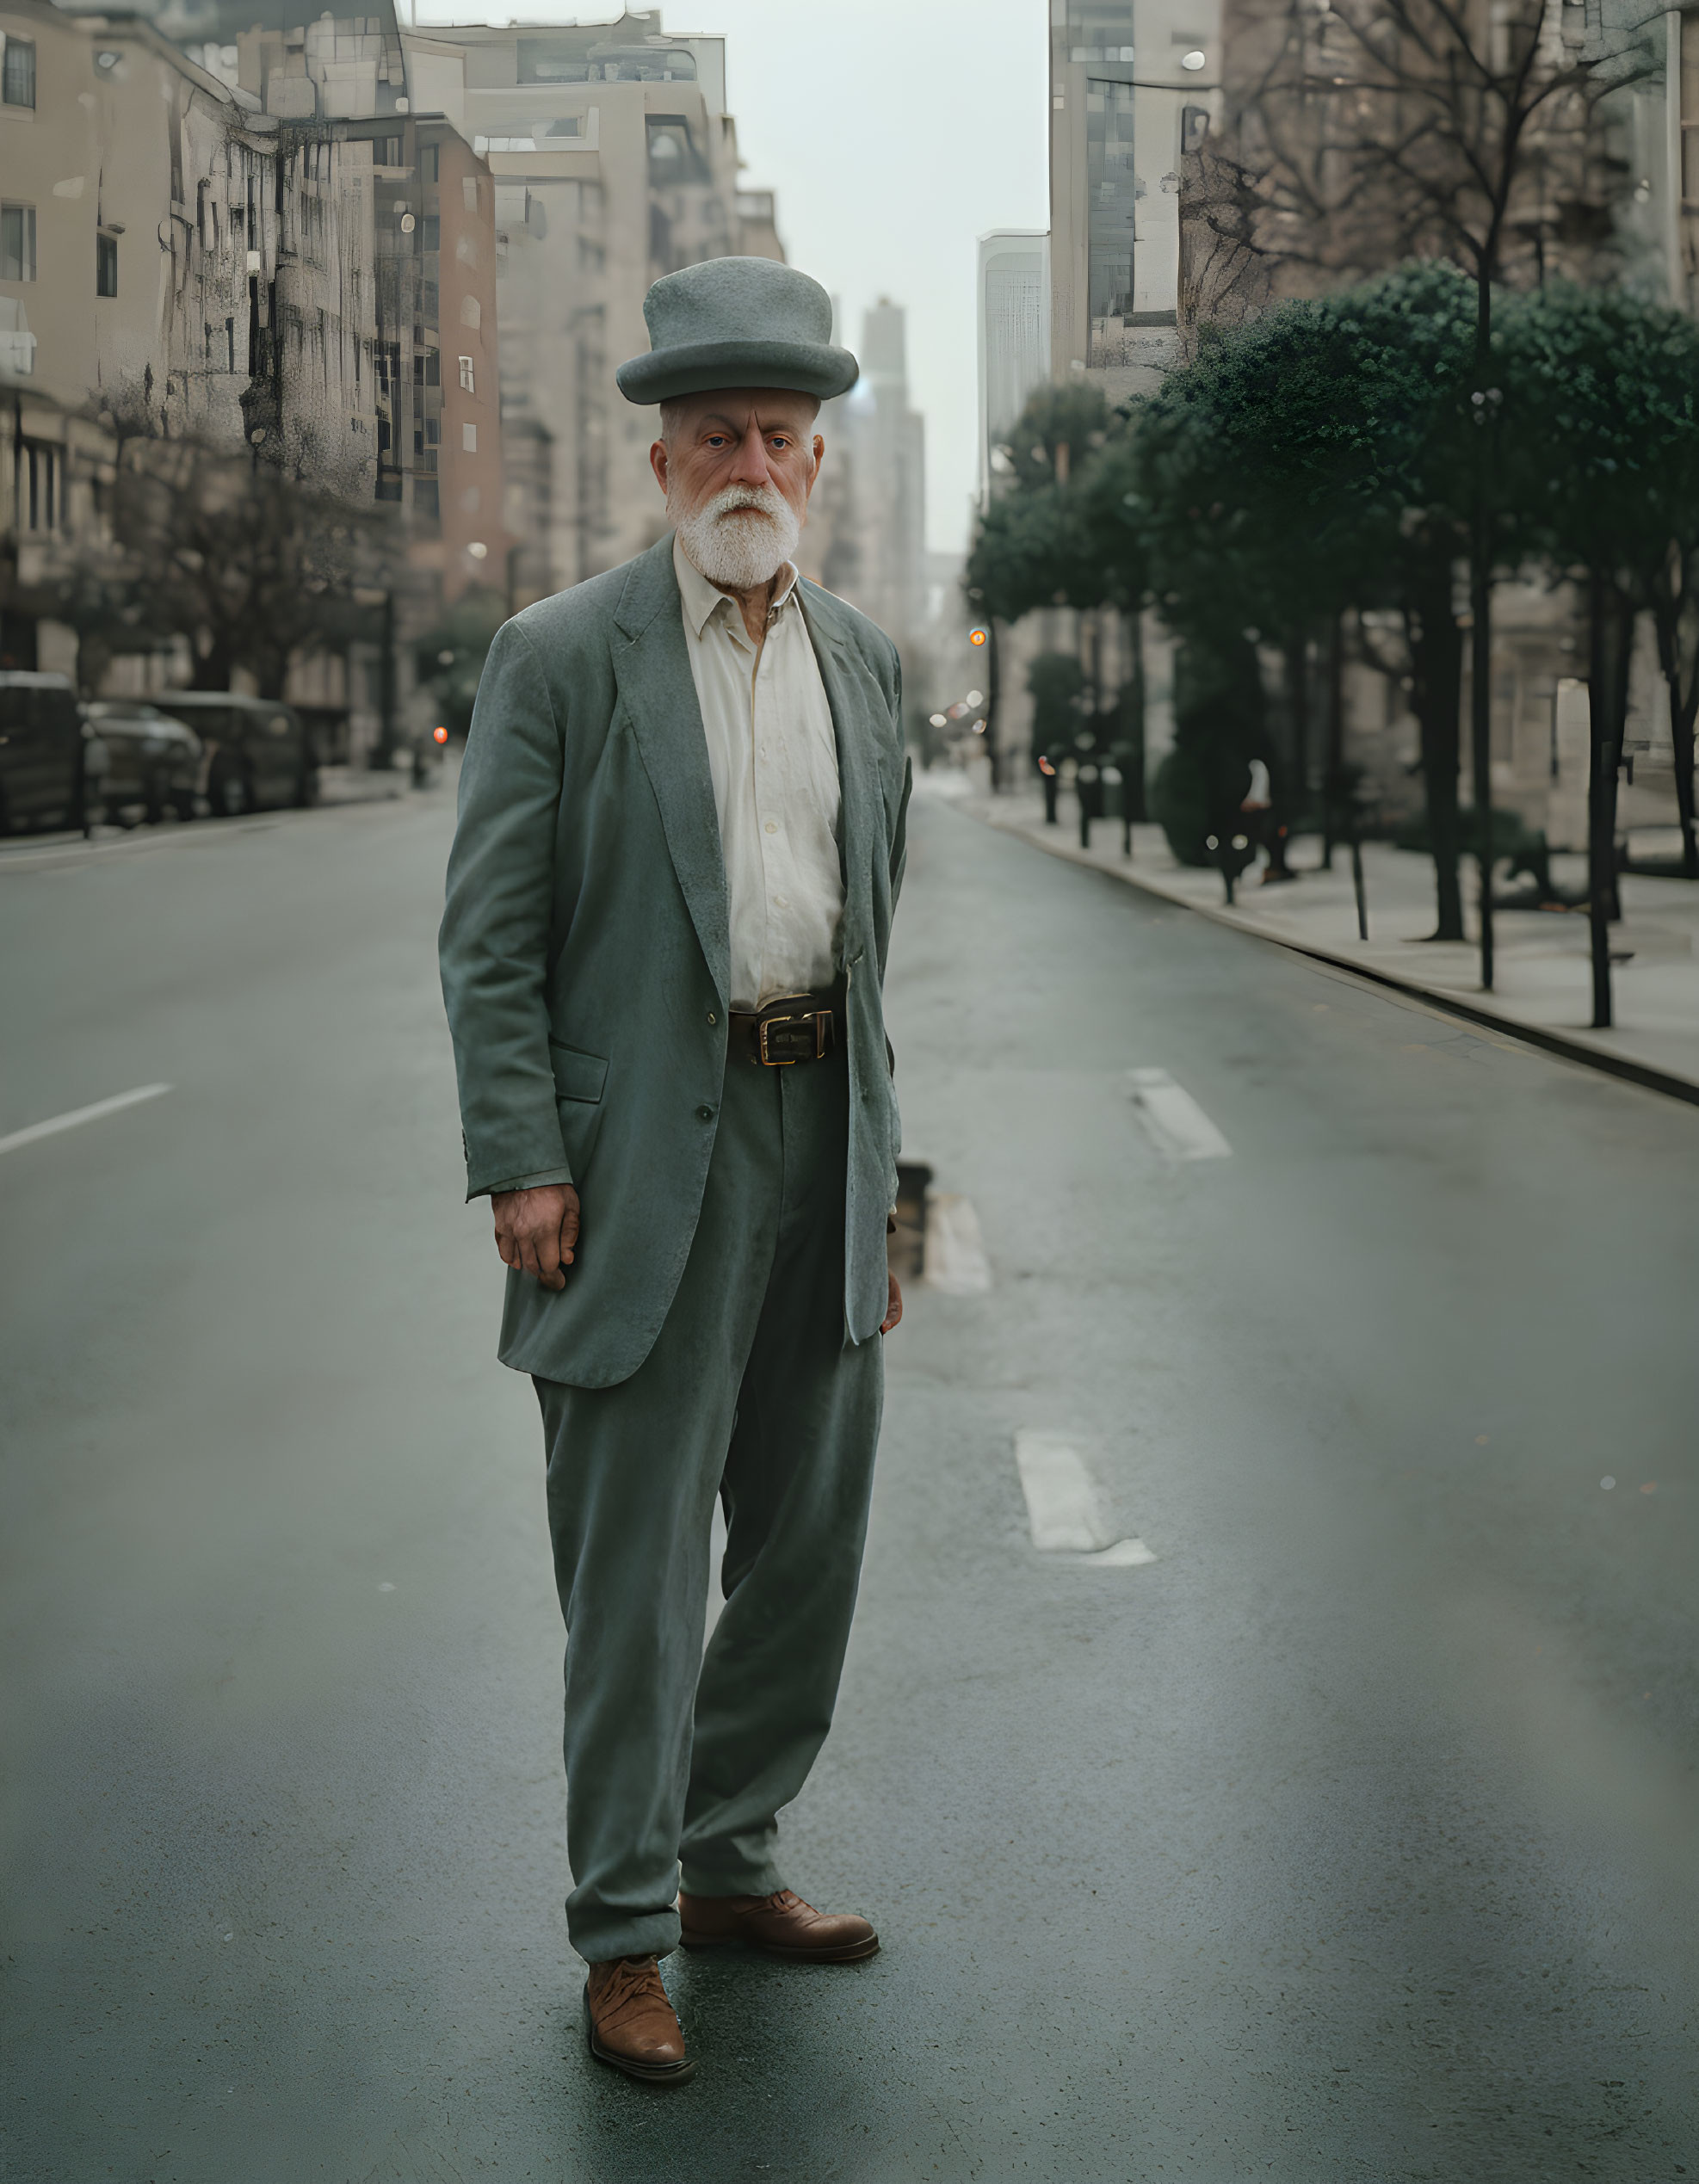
{"points": [[1351, 1838]]}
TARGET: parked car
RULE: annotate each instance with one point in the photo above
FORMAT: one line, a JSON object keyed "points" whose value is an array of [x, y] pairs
{"points": [[40, 751], [256, 753], [153, 762]]}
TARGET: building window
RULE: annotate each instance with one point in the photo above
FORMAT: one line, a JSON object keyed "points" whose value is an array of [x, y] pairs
{"points": [[430, 233], [386, 152], [469, 439], [1112, 180], [467, 376], [106, 265], [40, 486], [469, 192], [673, 156], [17, 72], [17, 241], [430, 162]]}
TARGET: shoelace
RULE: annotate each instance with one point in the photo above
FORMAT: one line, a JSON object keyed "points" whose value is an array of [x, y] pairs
{"points": [[787, 1899], [630, 1985]]}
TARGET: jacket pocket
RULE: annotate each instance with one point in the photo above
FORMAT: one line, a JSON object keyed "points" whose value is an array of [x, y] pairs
{"points": [[577, 1076]]}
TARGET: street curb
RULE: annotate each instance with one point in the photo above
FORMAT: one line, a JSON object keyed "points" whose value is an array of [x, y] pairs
{"points": [[1568, 1045]]}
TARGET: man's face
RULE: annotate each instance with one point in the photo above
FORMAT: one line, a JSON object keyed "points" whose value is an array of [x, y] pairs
{"points": [[754, 439]]}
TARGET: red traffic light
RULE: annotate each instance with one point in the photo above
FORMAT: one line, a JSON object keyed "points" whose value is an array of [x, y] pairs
{"points": [[439, 734], [977, 636]]}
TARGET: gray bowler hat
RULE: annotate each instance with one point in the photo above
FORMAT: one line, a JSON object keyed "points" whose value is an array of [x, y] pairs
{"points": [[737, 322]]}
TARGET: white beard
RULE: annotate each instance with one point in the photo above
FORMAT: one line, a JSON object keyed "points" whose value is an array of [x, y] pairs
{"points": [[740, 552]]}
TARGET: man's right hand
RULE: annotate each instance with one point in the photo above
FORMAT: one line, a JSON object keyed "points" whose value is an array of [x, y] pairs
{"points": [[537, 1230]]}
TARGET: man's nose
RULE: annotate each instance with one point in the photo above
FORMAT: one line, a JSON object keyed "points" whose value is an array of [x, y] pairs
{"points": [[749, 468]]}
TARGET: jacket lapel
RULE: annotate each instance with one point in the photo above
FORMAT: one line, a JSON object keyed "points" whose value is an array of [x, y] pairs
{"points": [[658, 693], [861, 804]]}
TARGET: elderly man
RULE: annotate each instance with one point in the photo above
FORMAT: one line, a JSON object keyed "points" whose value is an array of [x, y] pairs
{"points": [[680, 844]]}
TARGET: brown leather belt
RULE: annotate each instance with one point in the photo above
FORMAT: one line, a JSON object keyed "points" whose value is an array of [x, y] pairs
{"points": [[795, 1027]]}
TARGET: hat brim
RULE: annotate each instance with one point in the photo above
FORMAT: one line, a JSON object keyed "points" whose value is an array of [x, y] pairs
{"points": [[700, 367]]}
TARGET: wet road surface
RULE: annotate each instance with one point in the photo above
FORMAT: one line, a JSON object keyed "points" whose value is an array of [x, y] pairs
{"points": [[1350, 1837]]}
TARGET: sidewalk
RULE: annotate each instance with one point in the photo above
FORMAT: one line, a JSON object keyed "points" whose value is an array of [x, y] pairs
{"points": [[360, 785], [1543, 984]]}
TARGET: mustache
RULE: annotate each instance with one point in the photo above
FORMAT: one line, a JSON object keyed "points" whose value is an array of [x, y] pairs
{"points": [[764, 500]]}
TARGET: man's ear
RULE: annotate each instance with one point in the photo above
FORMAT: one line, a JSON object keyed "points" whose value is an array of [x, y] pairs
{"points": [[658, 463], [819, 453]]}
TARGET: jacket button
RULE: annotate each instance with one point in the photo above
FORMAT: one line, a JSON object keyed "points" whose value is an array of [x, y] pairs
{"points": [[705, 1114], [712, 1019]]}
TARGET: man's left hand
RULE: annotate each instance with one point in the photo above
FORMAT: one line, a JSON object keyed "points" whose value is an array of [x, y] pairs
{"points": [[893, 1309]]}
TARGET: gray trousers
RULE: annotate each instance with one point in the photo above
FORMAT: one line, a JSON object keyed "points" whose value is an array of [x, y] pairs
{"points": [[753, 1393]]}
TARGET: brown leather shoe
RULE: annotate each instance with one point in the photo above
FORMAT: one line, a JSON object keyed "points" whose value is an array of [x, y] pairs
{"points": [[630, 2023], [779, 1926]]}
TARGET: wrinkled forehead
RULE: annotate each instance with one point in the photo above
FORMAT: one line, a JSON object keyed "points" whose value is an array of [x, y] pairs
{"points": [[735, 409]]}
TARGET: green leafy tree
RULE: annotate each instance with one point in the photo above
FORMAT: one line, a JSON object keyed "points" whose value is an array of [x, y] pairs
{"points": [[1056, 434], [1599, 443], [1035, 548], [1219, 728], [1313, 461]]}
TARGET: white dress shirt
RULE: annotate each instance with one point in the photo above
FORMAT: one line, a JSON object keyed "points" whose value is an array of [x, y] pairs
{"points": [[773, 757]]}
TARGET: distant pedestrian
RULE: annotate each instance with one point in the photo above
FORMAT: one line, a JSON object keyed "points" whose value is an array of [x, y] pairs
{"points": [[680, 845]]}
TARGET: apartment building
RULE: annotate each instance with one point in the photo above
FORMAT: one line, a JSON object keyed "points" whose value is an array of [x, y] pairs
{"points": [[135, 230], [383, 375], [886, 451], [614, 162], [1133, 84], [1013, 299]]}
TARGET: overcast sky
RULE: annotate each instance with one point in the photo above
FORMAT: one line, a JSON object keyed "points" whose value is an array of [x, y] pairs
{"points": [[895, 133]]}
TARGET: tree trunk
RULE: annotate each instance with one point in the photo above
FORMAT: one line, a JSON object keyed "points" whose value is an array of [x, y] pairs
{"points": [[272, 673], [1609, 629], [94, 657], [1480, 731], [1483, 406], [1133, 790], [1436, 658], [1666, 615], [1681, 737], [1295, 654], [212, 667], [1333, 772]]}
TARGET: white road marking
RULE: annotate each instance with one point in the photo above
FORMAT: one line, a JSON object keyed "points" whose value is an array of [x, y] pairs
{"points": [[1064, 1508], [77, 1116], [1177, 1125], [1122, 1555], [955, 1258]]}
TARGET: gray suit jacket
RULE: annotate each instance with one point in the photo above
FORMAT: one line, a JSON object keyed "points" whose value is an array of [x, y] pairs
{"points": [[585, 950]]}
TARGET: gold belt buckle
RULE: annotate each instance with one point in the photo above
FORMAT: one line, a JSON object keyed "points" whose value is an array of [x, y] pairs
{"points": [[821, 1020]]}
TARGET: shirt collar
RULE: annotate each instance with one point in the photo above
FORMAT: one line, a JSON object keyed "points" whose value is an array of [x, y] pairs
{"points": [[699, 598]]}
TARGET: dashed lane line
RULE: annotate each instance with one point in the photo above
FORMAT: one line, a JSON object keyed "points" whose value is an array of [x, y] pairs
{"points": [[1173, 1120], [1065, 1509], [955, 1259], [77, 1116]]}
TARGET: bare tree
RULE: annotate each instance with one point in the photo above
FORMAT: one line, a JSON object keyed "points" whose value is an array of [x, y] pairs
{"points": [[249, 562], [1364, 131]]}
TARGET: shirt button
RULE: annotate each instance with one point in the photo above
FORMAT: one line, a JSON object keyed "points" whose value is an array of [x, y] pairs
{"points": [[772, 826], [779, 903], [705, 1114]]}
